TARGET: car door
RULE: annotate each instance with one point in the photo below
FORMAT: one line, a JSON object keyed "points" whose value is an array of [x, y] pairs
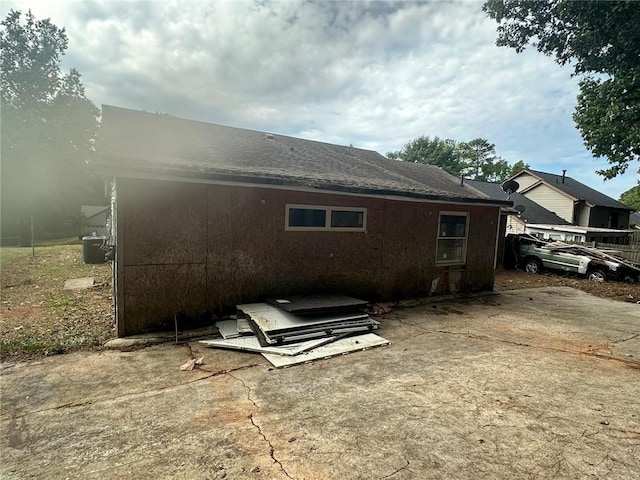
{"points": [[561, 260]]}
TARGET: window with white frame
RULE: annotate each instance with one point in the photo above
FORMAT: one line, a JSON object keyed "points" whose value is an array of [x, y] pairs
{"points": [[319, 217], [452, 238]]}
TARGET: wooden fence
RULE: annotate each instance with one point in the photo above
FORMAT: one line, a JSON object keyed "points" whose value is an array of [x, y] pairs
{"points": [[630, 252]]}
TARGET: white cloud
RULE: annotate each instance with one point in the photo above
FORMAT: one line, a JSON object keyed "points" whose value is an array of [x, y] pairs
{"points": [[372, 74]]}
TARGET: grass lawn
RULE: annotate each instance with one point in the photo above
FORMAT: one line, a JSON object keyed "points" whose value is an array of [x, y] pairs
{"points": [[37, 316]]}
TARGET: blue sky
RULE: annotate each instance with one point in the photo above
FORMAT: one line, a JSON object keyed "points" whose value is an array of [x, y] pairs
{"points": [[372, 74]]}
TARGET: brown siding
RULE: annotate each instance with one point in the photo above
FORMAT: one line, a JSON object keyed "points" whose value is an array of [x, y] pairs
{"points": [[190, 247]]}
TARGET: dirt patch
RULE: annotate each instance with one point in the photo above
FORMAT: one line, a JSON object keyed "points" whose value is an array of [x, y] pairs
{"points": [[38, 316], [517, 280]]}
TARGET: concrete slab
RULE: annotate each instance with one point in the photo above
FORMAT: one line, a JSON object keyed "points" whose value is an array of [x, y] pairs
{"points": [[539, 383], [79, 283]]}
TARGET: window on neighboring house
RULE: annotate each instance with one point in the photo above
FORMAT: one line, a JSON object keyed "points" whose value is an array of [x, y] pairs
{"points": [[452, 238], [316, 217]]}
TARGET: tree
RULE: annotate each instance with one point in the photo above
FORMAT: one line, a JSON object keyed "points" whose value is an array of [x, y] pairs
{"points": [[48, 127], [602, 42], [631, 198], [436, 151], [480, 162], [517, 167], [475, 159]]}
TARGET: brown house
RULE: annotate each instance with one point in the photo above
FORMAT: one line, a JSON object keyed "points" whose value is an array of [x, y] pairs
{"points": [[207, 216]]}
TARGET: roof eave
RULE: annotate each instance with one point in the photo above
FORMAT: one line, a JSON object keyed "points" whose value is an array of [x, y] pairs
{"points": [[177, 173]]}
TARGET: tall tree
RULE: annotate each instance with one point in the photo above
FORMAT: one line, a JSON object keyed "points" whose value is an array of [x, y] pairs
{"points": [[436, 151], [602, 42], [480, 162], [631, 198], [475, 159], [48, 127], [517, 167]]}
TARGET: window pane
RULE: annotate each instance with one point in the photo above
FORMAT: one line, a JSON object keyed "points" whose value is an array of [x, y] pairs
{"points": [[345, 218], [452, 225], [450, 250], [306, 217]]}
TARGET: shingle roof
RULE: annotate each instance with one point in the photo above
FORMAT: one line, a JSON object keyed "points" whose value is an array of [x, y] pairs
{"points": [[579, 190], [133, 141], [533, 213]]}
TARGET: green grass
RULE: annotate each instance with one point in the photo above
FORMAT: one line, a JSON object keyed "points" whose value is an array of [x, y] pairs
{"points": [[9, 255], [59, 241], [62, 269], [59, 302], [51, 345], [56, 320], [27, 345]]}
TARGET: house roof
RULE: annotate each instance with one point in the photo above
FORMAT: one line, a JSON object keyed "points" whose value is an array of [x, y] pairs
{"points": [[134, 143], [533, 213], [634, 219], [575, 189]]}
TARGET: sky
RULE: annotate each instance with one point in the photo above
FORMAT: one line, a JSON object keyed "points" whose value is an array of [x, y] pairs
{"points": [[374, 75]]}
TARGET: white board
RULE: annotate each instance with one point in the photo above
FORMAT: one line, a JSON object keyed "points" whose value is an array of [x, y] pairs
{"points": [[339, 347], [273, 320], [228, 328], [251, 344]]}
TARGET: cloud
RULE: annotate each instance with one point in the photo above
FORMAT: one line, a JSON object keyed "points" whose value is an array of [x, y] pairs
{"points": [[372, 74]]}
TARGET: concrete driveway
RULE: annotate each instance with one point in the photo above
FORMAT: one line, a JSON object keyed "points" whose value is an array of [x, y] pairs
{"points": [[538, 383]]}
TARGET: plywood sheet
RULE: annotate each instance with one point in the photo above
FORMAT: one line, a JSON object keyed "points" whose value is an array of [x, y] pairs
{"points": [[339, 347]]}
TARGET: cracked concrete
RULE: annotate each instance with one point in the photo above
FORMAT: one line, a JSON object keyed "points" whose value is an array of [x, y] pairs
{"points": [[539, 383]]}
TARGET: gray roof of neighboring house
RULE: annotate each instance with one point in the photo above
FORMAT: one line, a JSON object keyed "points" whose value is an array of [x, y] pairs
{"points": [[634, 219], [533, 213], [139, 143], [579, 190]]}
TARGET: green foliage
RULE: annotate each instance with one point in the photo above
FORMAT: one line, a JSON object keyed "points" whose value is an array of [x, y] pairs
{"points": [[631, 198], [475, 159], [48, 127], [517, 167], [436, 151], [480, 162], [608, 115], [601, 40]]}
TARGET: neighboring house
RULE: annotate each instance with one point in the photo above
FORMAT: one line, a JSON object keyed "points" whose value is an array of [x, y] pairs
{"points": [[634, 220], [95, 220], [579, 234], [207, 216], [524, 211], [573, 201], [529, 217]]}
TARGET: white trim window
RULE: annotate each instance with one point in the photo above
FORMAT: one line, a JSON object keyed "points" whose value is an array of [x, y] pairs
{"points": [[321, 218], [453, 228]]}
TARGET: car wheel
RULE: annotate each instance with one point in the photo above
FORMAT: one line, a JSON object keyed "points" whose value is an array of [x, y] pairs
{"points": [[597, 275], [533, 265]]}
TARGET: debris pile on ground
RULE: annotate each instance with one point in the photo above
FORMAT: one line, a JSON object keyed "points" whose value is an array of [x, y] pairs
{"points": [[294, 330], [534, 255]]}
